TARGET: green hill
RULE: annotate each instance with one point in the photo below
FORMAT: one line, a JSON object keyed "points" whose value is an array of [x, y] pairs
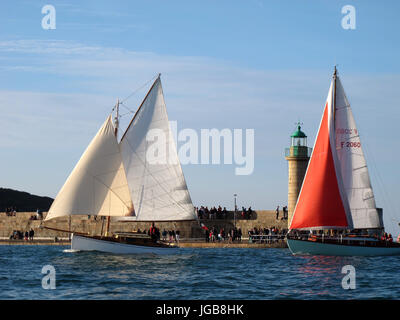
{"points": [[23, 201]]}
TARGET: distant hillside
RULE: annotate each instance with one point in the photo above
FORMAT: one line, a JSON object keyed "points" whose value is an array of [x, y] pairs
{"points": [[23, 201]]}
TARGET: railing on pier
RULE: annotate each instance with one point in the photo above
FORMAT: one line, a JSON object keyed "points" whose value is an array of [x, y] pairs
{"points": [[263, 238], [230, 215]]}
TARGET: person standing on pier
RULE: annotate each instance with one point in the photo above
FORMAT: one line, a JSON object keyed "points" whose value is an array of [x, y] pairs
{"points": [[31, 234], [285, 212]]}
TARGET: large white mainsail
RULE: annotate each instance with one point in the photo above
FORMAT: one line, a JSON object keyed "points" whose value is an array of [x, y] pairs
{"points": [[354, 170], [158, 187], [97, 185]]}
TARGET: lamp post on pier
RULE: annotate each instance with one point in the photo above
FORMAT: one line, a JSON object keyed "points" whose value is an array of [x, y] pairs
{"points": [[234, 213]]}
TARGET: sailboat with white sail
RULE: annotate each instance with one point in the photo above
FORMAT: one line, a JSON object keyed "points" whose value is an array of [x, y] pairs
{"points": [[336, 213], [117, 179]]}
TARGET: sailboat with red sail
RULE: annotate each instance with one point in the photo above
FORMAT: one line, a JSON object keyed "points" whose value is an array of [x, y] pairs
{"points": [[336, 213]]}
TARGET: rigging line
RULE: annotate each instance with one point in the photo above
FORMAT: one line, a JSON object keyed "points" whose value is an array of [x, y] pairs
{"points": [[126, 107], [108, 188], [138, 110], [141, 87], [358, 168], [132, 94]]}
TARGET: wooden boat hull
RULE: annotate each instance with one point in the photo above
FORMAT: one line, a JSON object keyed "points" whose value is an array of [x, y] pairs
{"points": [[298, 247], [86, 243]]}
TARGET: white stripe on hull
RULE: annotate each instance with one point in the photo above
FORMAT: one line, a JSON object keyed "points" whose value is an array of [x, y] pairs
{"points": [[327, 249], [89, 244]]}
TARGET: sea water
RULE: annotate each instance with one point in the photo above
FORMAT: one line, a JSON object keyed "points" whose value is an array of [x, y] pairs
{"points": [[192, 274]]}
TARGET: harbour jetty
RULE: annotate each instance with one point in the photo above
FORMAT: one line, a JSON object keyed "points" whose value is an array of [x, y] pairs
{"points": [[192, 234]]}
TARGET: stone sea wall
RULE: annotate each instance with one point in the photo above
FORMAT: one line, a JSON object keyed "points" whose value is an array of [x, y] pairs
{"points": [[88, 225]]}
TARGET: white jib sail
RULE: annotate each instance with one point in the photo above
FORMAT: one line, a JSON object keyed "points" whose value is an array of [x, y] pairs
{"points": [[155, 178], [354, 168], [97, 185]]}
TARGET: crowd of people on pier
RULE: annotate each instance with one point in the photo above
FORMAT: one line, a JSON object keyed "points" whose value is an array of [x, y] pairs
{"points": [[11, 211], [203, 212], [165, 235], [37, 216], [231, 235], [19, 235], [262, 234], [284, 213], [219, 234], [171, 235], [212, 213]]}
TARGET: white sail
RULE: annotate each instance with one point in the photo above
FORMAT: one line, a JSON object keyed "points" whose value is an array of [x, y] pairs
{"points": [[97, 185], [354, 171], [157, 185]]}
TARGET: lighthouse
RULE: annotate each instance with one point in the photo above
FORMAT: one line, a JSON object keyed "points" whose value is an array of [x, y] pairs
{"points": [[297, 156]]}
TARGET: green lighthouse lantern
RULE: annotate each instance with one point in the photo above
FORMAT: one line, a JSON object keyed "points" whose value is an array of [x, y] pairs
{"points": [[299, 138]]}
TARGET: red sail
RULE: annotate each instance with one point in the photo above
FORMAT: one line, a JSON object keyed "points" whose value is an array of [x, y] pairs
{"points": [[320, 204]]}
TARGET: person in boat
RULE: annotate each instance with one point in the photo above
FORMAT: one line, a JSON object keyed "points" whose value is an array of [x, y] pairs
{"points": [[177, 236], [153, 232], [390, 238]]}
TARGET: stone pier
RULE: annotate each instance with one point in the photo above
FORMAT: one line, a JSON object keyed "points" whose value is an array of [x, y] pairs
{"points": [[88, 225]]}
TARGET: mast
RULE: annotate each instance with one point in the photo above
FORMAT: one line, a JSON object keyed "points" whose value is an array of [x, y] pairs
{"points": [[116, 119], [116, 124], [69, 228], [334, 95]]}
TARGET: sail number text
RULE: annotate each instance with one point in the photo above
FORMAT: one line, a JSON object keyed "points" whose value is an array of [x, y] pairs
{"points": [[349, 144], [346, 131]]}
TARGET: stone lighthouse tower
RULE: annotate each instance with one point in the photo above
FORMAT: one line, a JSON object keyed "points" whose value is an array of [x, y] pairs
{"points": [[297, 156]]}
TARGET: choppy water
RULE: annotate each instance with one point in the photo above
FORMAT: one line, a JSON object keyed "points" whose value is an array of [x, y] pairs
{"points": [[193, 274]]}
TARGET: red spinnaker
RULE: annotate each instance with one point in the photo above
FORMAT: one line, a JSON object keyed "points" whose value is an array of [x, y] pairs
{"points": [[320, 203]]}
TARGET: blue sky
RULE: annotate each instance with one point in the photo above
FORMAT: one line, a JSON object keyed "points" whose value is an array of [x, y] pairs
{"points": [[225, 64]]}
